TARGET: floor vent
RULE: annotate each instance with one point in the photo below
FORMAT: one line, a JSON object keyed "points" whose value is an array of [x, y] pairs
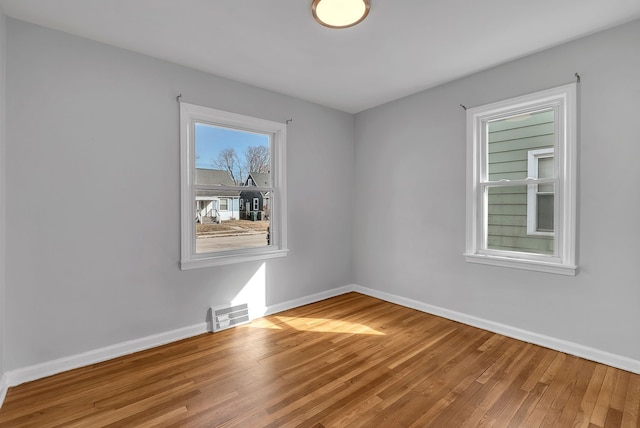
{"points": [[230, 316]]}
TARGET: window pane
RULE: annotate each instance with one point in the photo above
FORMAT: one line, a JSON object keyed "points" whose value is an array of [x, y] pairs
{"points": [[545, 170], [545, 167], [510, 139], [507, 222], [231, 219], [231, 157], [228, 227], [544, 213]]}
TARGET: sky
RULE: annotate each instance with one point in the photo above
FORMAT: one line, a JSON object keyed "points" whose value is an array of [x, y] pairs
{"points": [[211, 139]]}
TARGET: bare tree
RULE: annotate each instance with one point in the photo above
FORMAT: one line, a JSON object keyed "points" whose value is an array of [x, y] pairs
{"points": [[228, 160], [257, 159]]}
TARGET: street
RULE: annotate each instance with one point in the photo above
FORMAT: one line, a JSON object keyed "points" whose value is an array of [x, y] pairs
{"points": [[219, 243]]}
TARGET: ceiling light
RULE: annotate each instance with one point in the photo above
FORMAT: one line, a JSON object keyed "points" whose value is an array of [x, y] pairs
{"points": [[340, 13]]}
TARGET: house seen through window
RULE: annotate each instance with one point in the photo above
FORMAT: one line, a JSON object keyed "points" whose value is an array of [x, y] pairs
{"points": [[517, 222], [226, 161]]}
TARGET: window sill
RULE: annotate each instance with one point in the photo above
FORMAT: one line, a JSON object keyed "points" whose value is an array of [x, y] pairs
{"points": [[228, 259], [514, 263]]}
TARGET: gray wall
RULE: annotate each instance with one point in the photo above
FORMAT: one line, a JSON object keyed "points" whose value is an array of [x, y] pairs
{"points": [[2, 185], [92, 242], [419, 142], [93, 196]]}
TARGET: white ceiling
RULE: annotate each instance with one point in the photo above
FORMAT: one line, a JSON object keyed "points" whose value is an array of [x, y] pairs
{"points": [[403, 46]]}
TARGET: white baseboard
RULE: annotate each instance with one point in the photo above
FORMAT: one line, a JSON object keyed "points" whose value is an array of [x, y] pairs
{"points": [[586, 352], [290, 304], [4, 386], [38, 371]]}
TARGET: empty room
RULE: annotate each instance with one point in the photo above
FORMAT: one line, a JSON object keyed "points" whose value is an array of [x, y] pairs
{"points": [[319, 213]]}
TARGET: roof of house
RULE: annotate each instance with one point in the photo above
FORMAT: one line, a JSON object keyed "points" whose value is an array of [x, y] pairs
{"points": [[213, 177], [261, 179]]}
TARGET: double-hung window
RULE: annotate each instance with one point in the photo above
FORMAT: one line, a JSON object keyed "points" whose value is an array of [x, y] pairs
{"points": [[218, 152], [521, 181]]}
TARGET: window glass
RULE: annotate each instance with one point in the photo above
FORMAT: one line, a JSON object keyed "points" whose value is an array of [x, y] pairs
{"points": [[545, 170], [545, 213], [510, 139], [228, 161], [226, 156], [507, 222]]}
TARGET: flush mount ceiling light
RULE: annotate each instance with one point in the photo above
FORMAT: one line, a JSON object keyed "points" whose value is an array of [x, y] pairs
{"points": [[340, 13]]}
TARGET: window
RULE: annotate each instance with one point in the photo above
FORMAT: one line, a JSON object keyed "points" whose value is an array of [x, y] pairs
{"points": [[540, 196], [224, 205], [521, 180], [218, 151], [256, 204]]}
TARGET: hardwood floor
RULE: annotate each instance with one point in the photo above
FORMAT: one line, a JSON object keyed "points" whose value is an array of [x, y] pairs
{"points": [[349, 361]]}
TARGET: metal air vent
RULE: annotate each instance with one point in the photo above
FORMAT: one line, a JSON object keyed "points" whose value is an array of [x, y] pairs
{"points": [[230, 316]]}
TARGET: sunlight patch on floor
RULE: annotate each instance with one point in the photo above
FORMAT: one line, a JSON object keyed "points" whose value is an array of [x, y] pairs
{"points": [[264, 323], [324, 325]]}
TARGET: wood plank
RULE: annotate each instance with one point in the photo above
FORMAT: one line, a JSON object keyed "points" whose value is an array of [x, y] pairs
{"points": [[599, 415], [547, 409], [588, 403], [569, 405], [631, 409], [347, 361], [614, 418]]}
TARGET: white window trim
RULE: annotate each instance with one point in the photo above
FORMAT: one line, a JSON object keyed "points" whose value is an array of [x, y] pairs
{"points": [[532, 190], [256, 204], [563, 99], [189, 115]]}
